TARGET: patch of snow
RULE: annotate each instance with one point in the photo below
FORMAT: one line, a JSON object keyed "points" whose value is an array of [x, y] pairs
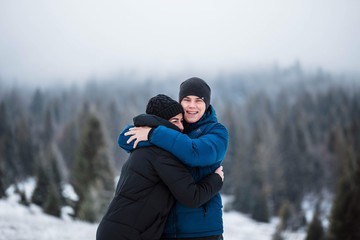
{"points": [[27, 187], [18, 222], [69, 192]]}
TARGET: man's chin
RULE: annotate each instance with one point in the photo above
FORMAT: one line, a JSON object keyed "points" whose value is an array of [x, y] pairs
{"points": [[191, 119]]}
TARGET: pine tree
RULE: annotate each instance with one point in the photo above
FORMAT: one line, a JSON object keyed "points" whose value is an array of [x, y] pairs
{"points": [[48, 129], [68, 143], [3, 139], [52, 204], [42, 185], [315, 230], [2, 181], [250, 195], [93, 177], [48, 190], [89, 209], [260, 210], [286, 212], [7, 167], [25, 147], [37, 105], [345, 214]]}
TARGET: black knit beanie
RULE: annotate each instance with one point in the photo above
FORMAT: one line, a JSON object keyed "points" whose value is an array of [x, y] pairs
{"points": [[197, 87], [163, 106]]}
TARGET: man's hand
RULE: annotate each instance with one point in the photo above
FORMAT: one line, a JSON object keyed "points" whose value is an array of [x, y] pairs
{"points": [[219, 171], [138, 134]]}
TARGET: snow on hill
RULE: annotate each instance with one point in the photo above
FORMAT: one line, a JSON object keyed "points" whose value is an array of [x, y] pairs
{"points": [[18, 222]]}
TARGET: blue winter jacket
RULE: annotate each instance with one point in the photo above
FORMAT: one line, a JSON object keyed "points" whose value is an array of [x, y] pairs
{"points": [[202, 148]]}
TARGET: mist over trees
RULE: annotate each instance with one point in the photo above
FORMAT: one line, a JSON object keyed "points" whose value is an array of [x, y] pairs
{"points": [[292, 135]]}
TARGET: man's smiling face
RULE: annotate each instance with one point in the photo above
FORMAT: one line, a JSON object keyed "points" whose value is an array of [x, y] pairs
{"points": [[194, 108]]}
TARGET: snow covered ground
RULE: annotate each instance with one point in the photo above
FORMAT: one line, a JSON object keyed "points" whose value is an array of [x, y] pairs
{"points": [[18, 222]]}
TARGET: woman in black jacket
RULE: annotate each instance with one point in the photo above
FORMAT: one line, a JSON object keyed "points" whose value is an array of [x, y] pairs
{"points": [[151, 180]]}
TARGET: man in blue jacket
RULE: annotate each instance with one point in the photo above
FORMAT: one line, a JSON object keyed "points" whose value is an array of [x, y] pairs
{"points": [[202, 147]]}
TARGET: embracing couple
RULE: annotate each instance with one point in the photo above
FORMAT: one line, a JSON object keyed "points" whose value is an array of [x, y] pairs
{"points": [[169, 186]]}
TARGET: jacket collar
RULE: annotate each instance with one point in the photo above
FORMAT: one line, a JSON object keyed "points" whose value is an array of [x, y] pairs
{"points": [[208, 117]]}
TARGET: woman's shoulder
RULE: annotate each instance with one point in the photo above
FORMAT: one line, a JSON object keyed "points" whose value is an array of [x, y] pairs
{"points": [[152, 121]]}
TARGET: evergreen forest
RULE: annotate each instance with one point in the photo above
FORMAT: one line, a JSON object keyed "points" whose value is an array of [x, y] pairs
{"points": [[294, 136]]}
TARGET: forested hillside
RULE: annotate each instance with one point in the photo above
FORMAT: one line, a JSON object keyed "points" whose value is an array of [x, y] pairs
{"points": [[292, 135]]}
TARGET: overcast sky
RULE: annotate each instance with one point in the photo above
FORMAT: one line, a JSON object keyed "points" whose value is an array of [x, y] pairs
{"points": [[72, 40]]}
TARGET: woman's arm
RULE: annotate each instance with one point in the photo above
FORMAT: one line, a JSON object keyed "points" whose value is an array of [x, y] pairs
{"points": [[144, 123], [128, 146], [182, 185]]}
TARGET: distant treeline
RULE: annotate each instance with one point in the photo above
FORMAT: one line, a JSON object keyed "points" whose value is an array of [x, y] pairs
{"points": [[292, 135]]}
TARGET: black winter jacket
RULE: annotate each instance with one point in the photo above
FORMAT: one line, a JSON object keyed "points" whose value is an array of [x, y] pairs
{"points": [[149, 183]]}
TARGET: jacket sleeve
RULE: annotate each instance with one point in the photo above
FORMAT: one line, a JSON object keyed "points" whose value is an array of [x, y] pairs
{"points": [[129, 147], [181, 183], [199, 152]]}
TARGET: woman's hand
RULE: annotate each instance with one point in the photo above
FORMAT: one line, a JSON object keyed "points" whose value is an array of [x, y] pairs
{"points": [[219, 171], [138, 134]]}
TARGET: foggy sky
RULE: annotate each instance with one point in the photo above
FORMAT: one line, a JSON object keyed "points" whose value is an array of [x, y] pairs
{"points": [[72, 40]]}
